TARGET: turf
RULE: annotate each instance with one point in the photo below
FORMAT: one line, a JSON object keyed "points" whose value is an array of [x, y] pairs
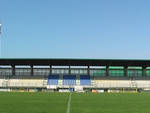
{"points": [[80, 103], [111, 103], [33, 102]]}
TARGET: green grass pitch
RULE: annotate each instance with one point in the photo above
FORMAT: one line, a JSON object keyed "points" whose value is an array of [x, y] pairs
{"points": [[80, 102]]}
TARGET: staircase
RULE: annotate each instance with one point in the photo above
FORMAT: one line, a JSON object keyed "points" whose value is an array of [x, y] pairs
{"points": [[45, 81], [133, 83], [5, 82], [60, 80], [78, 80], [93, 82]]}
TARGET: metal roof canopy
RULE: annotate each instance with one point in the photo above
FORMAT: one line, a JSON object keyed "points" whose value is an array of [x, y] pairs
{"points": [[74, 62]]}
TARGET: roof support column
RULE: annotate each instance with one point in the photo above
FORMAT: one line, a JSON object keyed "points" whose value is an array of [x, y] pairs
{"points": [[31, 70], [88, 71], [144, 71], [107, 70], [13, 70], [50, 70], [69, 70], [125, 71]]}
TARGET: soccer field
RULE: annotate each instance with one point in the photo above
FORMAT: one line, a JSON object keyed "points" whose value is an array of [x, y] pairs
{"points": [[74, 103]]}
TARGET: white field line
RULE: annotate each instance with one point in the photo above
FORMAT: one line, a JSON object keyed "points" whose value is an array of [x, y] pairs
{"points": [[69, 103]]}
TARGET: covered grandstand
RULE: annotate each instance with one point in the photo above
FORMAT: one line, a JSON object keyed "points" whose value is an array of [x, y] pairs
{"points": [[74, 74]]}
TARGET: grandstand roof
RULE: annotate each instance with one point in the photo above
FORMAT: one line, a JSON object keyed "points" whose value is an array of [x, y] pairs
{"points": [[74, 62]]}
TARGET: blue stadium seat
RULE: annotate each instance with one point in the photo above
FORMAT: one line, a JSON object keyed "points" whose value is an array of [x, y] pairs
{"points": [[85, 80], [69, 80], [53, 79]]}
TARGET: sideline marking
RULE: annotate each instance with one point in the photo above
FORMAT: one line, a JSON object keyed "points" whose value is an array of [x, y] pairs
{"points": [[69, 103]]}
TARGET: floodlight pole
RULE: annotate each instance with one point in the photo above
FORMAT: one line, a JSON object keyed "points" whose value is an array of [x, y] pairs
{"points": [[0, 41]]}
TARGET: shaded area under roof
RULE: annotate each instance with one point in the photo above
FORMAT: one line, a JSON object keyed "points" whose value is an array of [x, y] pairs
{"points": [[74, 62]]}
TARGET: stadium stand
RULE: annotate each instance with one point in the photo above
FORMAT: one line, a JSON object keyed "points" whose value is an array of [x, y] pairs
{"points": [[26, 81], [79, 75], [53, 79], [69, 79], [1, 82], [112, 82], [85, 80]]}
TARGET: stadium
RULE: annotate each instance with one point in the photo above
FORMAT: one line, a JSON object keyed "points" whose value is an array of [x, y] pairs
{"points": [[74, 56], [79, 75], [74, 85]]}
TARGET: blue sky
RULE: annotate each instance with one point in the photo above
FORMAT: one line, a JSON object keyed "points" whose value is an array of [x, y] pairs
{"points": [[115, 29]]}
